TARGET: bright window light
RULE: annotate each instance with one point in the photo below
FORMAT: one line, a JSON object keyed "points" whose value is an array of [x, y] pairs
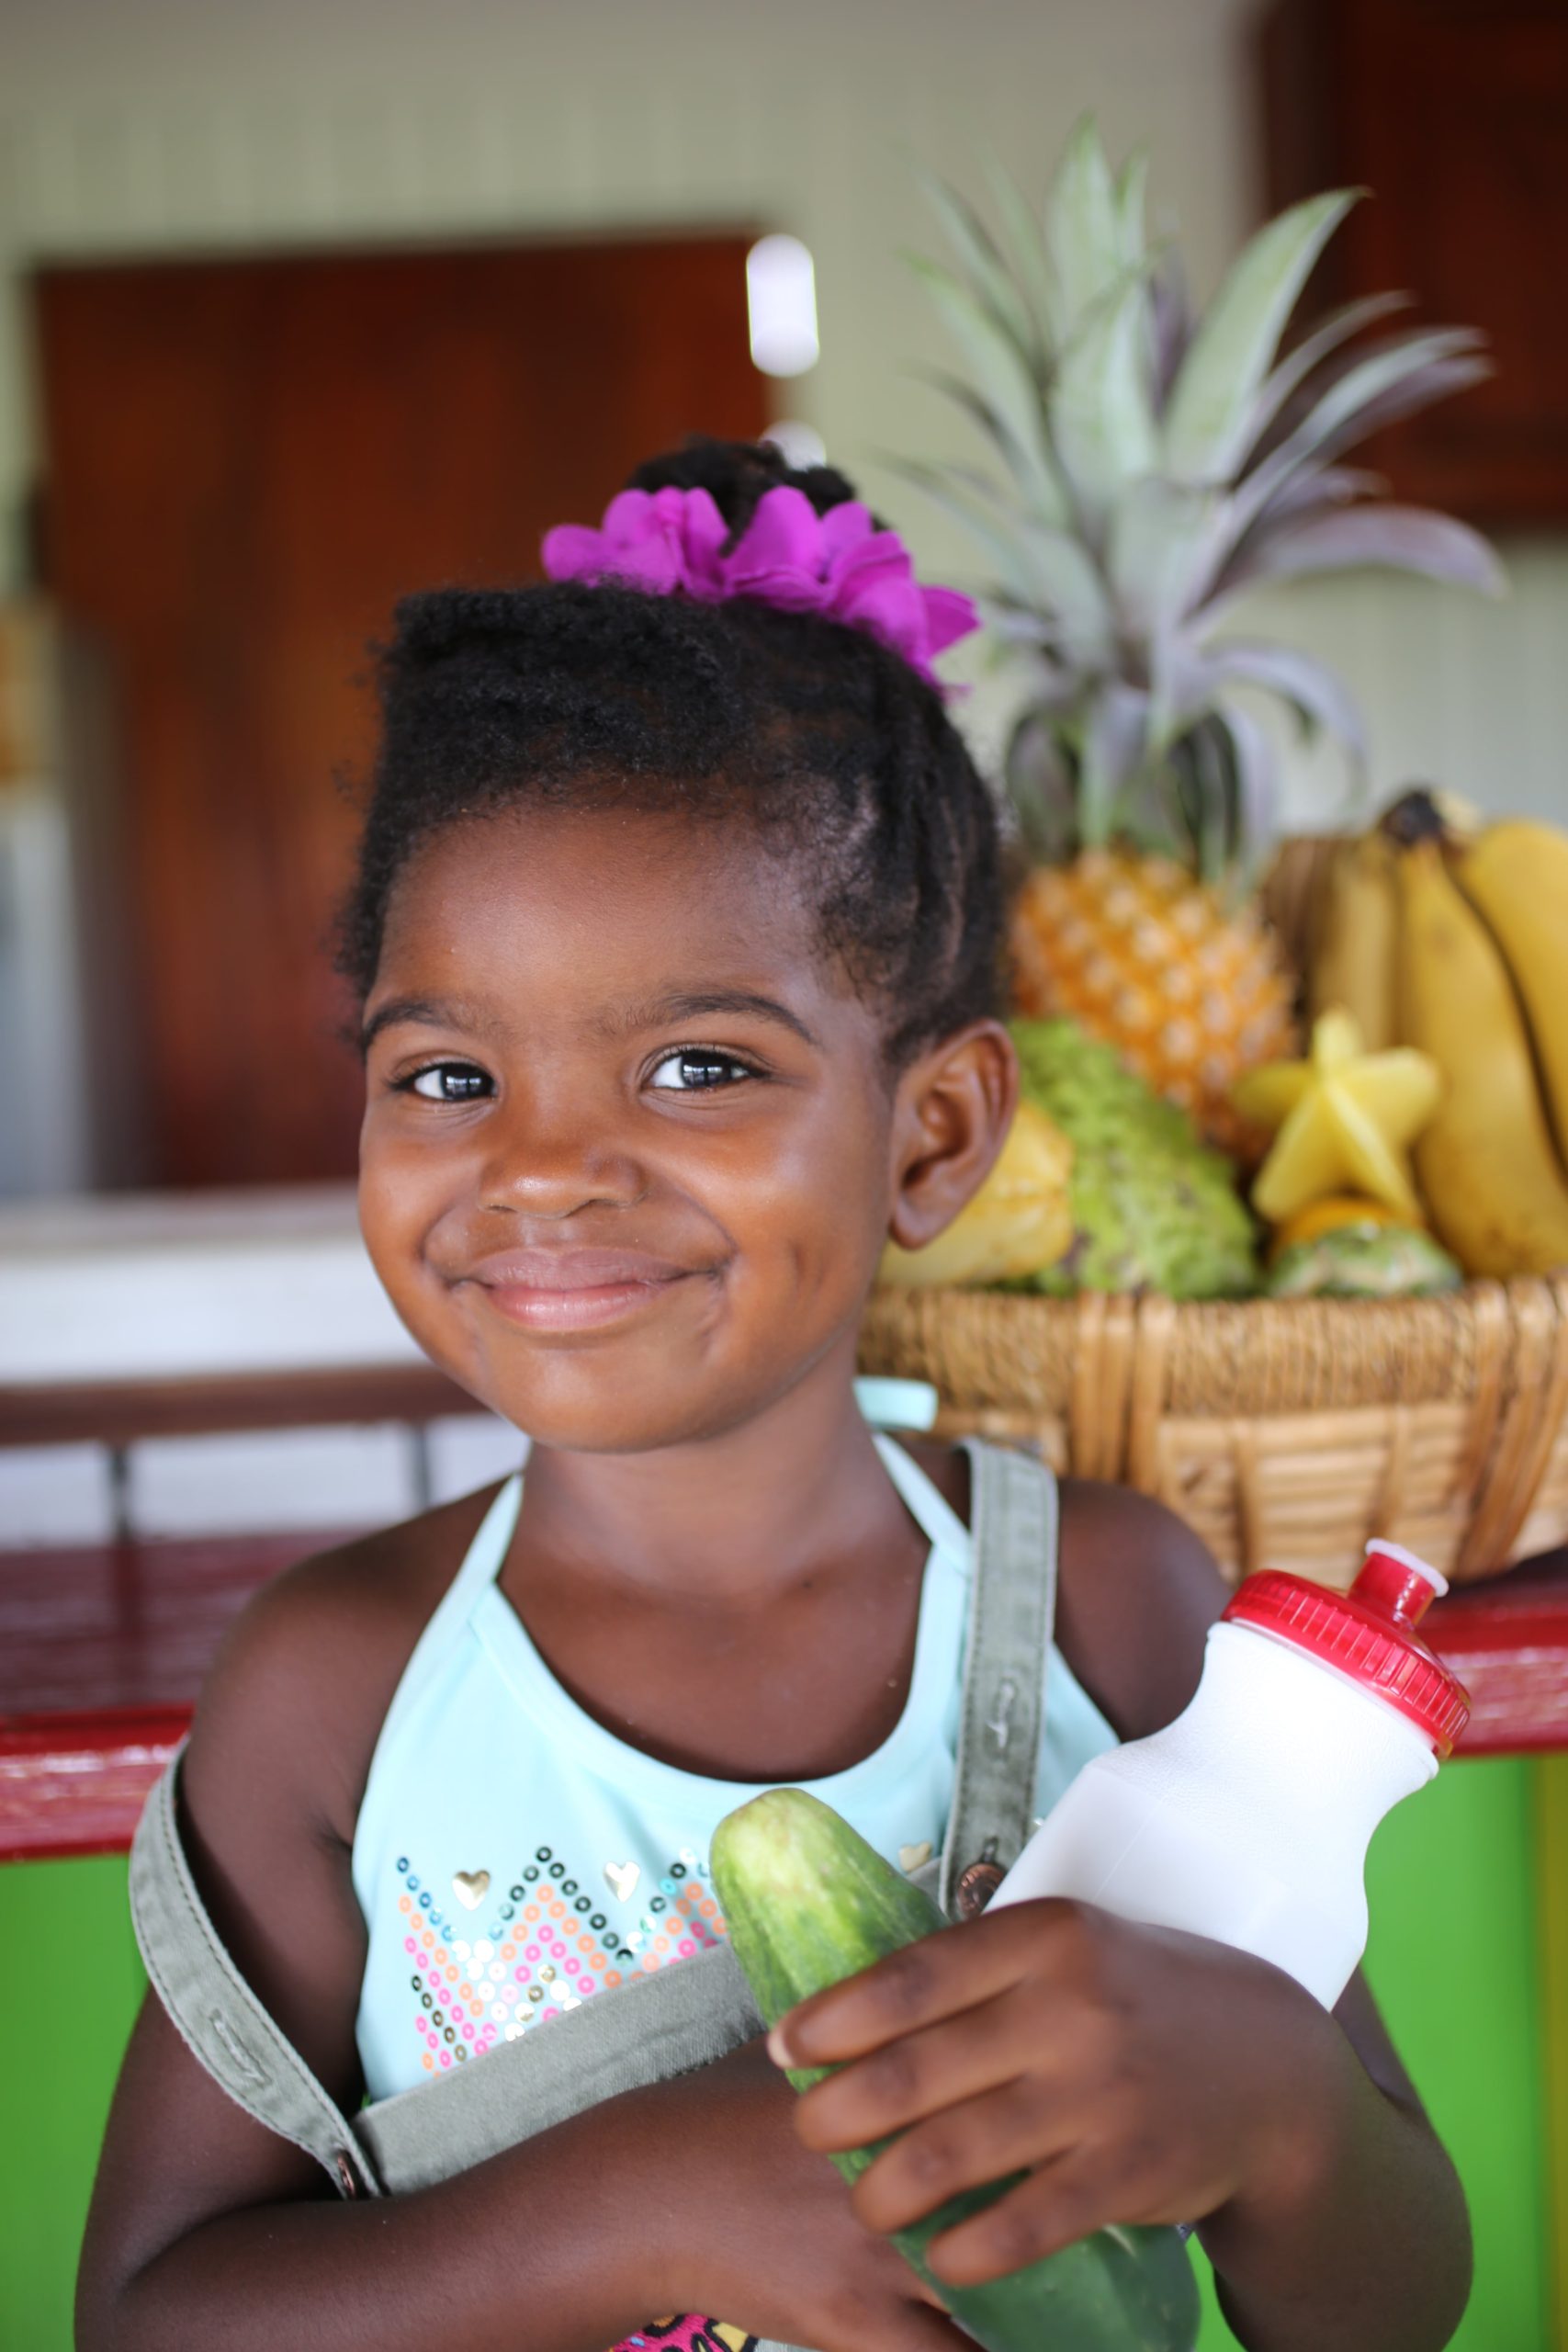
{"points": [[781, 296]]}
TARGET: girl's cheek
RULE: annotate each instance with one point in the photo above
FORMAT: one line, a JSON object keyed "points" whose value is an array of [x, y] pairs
{"points": [[394, 1211], [825, 1215]]}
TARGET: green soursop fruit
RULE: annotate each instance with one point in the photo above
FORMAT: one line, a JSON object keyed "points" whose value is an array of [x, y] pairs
{"points": [[1364, 1262], [1153, 1208]]}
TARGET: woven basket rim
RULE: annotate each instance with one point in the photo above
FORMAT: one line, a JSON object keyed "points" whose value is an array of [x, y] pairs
{"points": [[996, 1349], [1441, 1421]]}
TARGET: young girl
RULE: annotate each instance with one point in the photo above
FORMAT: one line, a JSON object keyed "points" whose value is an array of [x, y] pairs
{"points": [[678, 934]]}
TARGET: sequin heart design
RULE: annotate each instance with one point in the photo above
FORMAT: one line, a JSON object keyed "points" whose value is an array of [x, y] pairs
{"points": [[470, 1887], [911, 1856], [623, 1877]]}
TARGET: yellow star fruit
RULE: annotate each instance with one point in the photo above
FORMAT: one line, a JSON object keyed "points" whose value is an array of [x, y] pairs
{"points": [[1345, 1119]]}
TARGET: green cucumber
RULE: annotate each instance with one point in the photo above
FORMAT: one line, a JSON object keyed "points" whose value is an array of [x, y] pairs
{"points": [[807, 1903]]}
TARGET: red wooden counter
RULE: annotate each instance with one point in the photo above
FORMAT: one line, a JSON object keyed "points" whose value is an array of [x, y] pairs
{"points": [[102, 1653]]}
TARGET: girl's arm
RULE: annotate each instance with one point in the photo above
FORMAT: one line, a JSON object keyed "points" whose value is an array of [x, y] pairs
{"points": [[1366, 2239], [1139, 2076], [207, 2229]]}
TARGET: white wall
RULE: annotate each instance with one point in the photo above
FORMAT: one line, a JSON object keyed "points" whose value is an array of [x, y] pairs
{"points": [[157, 126]]}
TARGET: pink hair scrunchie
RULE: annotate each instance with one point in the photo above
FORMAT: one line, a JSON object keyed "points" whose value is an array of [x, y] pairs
{"points": [[670, 542]]}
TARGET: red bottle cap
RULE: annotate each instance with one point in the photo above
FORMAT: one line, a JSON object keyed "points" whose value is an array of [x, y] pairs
{"points": [[1368, 1633]]}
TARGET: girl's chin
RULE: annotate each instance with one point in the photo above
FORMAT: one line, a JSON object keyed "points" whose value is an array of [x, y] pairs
{"points": [[590, 1407], [604, 1389], [613, 1375]]}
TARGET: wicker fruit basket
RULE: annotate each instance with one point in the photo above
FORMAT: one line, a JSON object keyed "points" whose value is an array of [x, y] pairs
{"points": [[1285, 1433]]}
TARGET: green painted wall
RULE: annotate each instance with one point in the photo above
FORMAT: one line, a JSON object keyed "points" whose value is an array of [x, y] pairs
{"points": [[1453, 1962], [71, 1982], [1451, 1884]]}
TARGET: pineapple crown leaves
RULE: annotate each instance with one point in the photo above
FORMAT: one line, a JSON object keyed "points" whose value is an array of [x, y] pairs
{"points": [[1152, 470]]}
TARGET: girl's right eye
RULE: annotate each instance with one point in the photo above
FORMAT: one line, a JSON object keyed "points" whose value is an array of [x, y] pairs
{"points": [[447, 1083]]}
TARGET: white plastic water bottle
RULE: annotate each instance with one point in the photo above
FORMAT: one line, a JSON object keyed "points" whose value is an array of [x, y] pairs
{"points": [[1249, 1818]]}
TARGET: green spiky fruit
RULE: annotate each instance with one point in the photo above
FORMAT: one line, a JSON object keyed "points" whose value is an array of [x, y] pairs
{"points": [[1153, 1208], [1364, 1262]]}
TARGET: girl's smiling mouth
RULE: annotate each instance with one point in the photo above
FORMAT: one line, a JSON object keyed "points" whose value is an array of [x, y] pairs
{"points": [[571, 1289]]}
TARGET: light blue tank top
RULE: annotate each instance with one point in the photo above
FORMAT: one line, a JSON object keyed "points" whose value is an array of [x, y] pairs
{"points": [[513, 1857]]}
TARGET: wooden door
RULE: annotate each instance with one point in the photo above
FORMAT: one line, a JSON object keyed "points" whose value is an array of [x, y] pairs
{"points": [[247, 462], [1454, 114]]}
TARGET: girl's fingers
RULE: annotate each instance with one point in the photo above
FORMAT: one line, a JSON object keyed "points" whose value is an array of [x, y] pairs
{"points": [[1006, 2130], [1052, 2208], [925, 2072], [921, 1984], [1068, 2200]]}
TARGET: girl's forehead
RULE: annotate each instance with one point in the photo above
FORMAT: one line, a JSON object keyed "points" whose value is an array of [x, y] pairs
{"points": [[602, 910], [596, 845], [518, 873]]}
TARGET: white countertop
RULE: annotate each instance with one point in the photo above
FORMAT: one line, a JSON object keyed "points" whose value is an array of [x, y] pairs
{"points": [[170, 1286]]}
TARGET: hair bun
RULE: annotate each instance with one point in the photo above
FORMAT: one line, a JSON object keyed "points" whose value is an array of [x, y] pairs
{"points": [[736, 474]]}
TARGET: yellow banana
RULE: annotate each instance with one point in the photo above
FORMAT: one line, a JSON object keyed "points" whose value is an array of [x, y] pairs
{"points": [[1485, 1161], [1516, 873], [1352, 968]]}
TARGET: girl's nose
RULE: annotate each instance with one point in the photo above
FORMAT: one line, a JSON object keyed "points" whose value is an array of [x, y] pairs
{"points": [[541, 1167]]}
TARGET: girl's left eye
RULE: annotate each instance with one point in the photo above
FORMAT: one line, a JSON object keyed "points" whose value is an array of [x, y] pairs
{"points": [[447, 1083], [697, 1070]]}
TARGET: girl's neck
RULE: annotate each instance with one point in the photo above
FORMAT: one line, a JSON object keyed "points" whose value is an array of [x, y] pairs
{"points": [[726, 1522]]}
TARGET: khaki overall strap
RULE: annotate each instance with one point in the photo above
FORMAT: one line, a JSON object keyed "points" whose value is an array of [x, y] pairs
{"points": [[215, 2010], [1013, 1528], [654, 2027], [646, 2030]]}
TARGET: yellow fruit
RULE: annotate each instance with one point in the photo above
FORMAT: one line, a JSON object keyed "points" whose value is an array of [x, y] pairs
{"points": [[1138, 954], [1344, 1119], [1516, 875], [1497, 1196], [1019, 1220], [1330, 1216], [1353, 964]]}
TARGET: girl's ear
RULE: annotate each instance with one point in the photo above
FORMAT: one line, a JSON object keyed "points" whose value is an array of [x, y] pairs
{"points": [[951, 1114]]}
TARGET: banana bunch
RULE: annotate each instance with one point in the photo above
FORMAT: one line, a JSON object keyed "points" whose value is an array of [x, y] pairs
{"points": [[1452, 938]]}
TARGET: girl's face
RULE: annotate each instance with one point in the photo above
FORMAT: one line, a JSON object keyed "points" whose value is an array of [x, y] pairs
{"points": [[630, 1150]]}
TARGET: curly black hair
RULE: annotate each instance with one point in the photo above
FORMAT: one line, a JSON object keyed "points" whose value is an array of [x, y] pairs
{"points": [[584, 695]]}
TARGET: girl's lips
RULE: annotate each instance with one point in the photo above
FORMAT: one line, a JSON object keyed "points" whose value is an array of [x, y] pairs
{"points": [[572, 1290], [576, 1307]]}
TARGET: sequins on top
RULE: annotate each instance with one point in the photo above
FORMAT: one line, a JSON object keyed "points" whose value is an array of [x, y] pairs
{"points": [[544, 1947]]}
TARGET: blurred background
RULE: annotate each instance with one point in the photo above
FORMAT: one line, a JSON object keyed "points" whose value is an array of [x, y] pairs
{"points": [[309, 303], [302, 307]]}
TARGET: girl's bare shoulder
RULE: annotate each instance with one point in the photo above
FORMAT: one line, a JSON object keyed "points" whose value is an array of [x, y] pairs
{"points": [[302, 1683], [1137, 1591]]}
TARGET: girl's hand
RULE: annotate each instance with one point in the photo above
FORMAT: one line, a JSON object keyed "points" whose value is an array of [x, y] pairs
{"points": [[1135, 2074], [761, 2233]]}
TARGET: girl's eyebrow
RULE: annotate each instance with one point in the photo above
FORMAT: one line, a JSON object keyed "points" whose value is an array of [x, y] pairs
{"points": [[687, 1005], [694, 1004], [429, 1012]]}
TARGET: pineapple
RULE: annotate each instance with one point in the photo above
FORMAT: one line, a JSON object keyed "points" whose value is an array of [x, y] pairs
{"points": [[1148, 471], [1190, 990]]}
